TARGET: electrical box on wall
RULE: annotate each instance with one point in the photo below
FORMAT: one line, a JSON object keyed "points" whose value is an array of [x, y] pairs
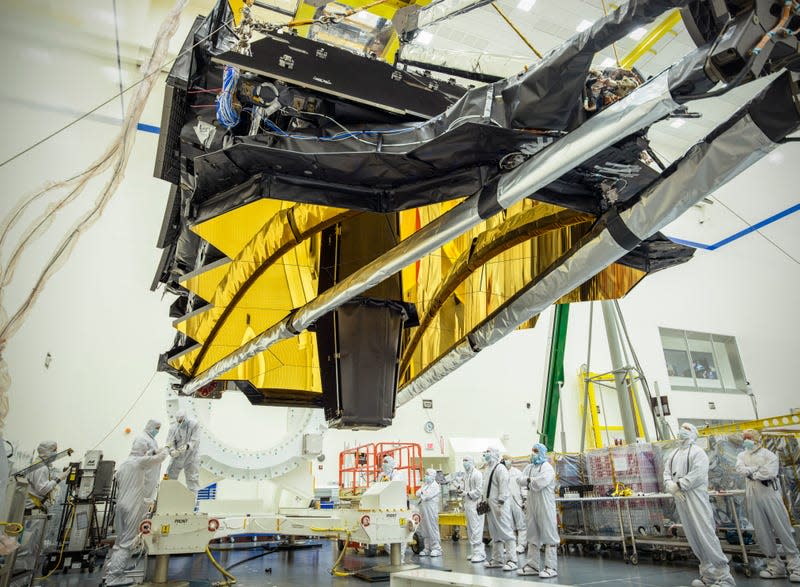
{"points": [[312, 444]]}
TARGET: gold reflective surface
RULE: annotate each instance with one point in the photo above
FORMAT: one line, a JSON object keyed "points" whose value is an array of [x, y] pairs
{"points": [[273, 268], [477, 273]]}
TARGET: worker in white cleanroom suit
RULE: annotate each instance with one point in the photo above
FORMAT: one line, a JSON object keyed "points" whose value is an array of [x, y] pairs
{"points": [[42, 493], [686, 478], [539, 478], [496, 493], [429, 501], [153, 473], [389, 472], [517, 515], [130, 510], [765, 508], [183, 442], [473, 488]]}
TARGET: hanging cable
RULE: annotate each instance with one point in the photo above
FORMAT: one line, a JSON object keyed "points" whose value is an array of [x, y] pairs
{"points": [[128, 411], [40, 224], [10, 221], [516, 30], [765, 237], [112, 98], [613, 45], [118, 153]]}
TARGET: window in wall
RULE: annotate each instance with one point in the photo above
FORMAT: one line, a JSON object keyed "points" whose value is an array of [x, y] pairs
{"points": [[699, 361]]}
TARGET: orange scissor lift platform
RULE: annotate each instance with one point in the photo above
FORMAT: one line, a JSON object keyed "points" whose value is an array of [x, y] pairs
{"points": [[361, 466]]}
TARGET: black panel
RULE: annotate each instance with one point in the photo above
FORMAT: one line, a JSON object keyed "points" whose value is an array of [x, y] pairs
{"points": [[359, 343], [776, 110], [325, 327], [369, 343], [168, 155], [162, 274], [471, 75], [291, 398], [363, 239], [167, 166], [170, 225], [656, 253], [331, 71]]}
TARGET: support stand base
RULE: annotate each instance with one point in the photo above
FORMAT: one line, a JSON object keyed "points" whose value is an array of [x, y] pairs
{"points": [[395, 568]]}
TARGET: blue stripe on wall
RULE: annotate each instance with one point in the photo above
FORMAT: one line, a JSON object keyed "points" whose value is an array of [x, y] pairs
{"points": [[744, 232], [756, 226], [148, 128]]}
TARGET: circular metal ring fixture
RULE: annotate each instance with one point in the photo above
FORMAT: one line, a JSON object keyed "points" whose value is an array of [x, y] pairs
{"points": [[231, 462]]}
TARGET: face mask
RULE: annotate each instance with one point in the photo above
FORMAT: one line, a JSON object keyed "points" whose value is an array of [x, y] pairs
{"points": [[153, 432], [534, 457], [749, 444], [387, 468], [467, 466], [428, 478], [538, 459], [487, 457], [507, 463], [684, 434]]}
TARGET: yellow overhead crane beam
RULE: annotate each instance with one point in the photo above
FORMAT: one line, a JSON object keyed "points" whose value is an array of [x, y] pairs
{"points": [[760, 424], [650, 39]]}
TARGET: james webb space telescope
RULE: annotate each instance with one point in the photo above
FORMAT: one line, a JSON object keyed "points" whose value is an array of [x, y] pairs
{"points": [[342, 232]]}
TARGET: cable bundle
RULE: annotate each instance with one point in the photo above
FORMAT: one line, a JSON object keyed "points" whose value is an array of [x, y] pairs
{"points": [[227, 113]]}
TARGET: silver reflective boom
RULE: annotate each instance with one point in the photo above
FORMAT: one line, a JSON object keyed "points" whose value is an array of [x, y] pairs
{"points": [[704, 168], [640, 109]]}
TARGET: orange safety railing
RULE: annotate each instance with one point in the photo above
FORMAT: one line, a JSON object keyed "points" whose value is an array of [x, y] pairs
{"points": [[357, 468], [361, 466], [408, 459]]}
